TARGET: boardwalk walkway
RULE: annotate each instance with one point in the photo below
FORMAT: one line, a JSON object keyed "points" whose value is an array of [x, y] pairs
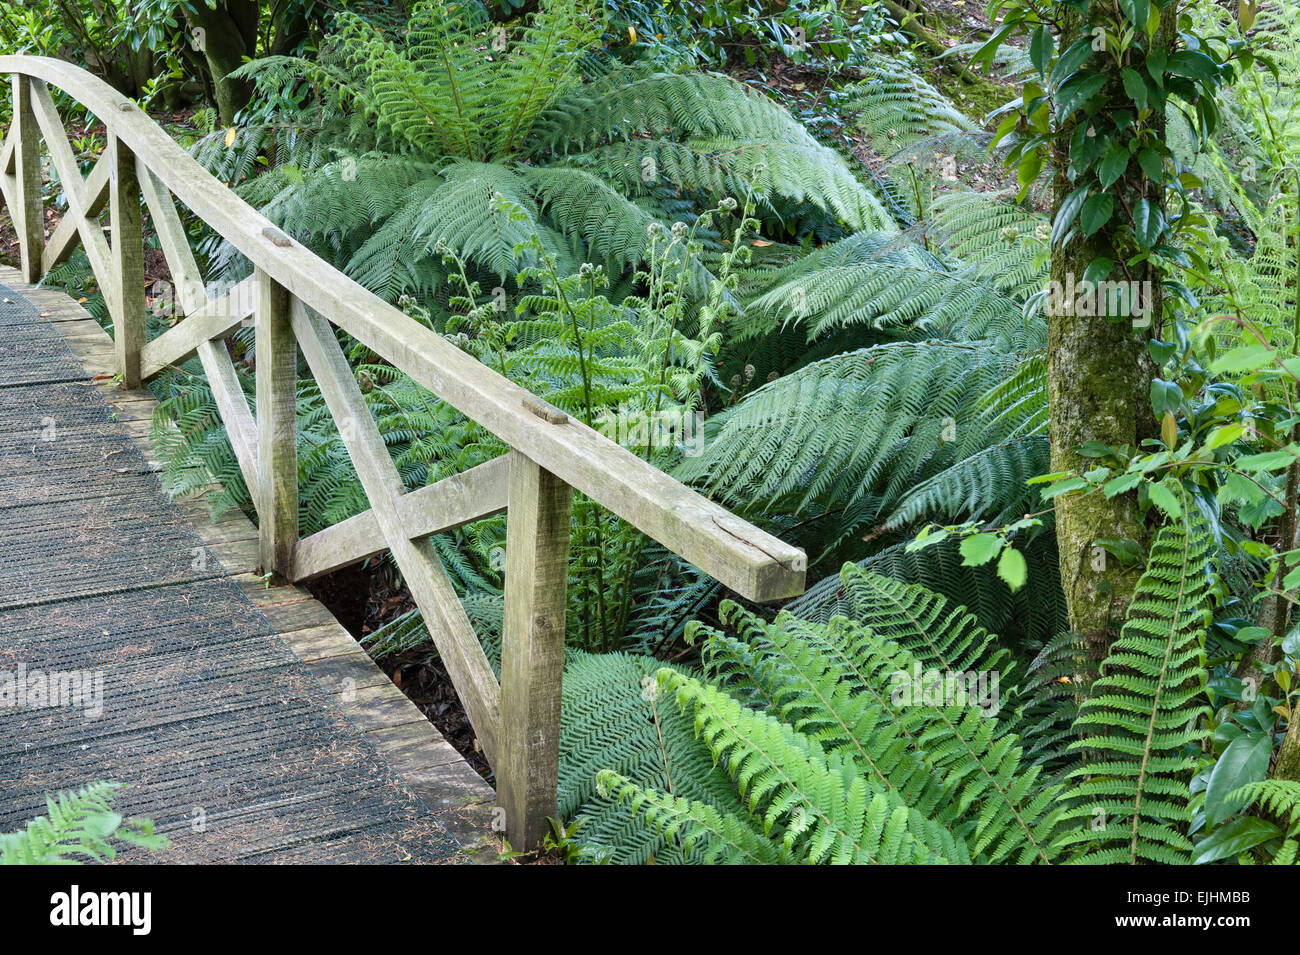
{"points": [[239, 748]]}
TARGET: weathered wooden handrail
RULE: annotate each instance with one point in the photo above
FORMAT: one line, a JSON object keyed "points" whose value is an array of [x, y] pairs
{"points": [[295, 298]]}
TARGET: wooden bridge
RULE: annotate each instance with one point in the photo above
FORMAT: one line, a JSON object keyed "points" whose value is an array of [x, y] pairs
{"points": [[243, 718]]}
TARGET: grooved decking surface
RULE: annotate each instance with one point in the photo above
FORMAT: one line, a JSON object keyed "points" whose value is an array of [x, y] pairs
{"points": [[238, 747]]}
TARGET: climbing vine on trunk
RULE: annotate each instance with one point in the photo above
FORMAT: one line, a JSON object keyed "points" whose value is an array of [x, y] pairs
{"points": [[1093, 114]]}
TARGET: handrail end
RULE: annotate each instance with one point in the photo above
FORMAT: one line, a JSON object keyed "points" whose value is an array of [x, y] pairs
{"points": [[778, 580]]}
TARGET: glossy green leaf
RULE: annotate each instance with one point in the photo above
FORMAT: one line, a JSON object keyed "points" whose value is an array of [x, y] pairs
{"points": [[1148, 223], [1041, 48], [1012, 568], [1238, 836], [1096, 213], [1137, 12], [1244, 761], [1164, 499]]}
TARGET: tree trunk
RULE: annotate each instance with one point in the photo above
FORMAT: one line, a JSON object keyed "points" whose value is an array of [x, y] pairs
{"points": [[1099, 383], [1288, 754], [227, 35], [290, 26], [910, 22]]}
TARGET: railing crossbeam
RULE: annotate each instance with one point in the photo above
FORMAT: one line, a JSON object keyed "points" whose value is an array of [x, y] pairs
{"points": [[421, 568], [445, 505], [298, 301]]}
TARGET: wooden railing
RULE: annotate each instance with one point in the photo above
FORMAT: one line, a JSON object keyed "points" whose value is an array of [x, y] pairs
{"points": [[517, 720]]}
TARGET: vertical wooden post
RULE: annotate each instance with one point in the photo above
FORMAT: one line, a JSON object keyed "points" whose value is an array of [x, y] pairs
{"points": [[276, 495], [127, 289], [532, 649], [30, 212]]}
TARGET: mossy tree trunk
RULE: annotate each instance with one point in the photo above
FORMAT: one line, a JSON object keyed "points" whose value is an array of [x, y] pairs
{"points": [[1099, 381], [1099, 386]]}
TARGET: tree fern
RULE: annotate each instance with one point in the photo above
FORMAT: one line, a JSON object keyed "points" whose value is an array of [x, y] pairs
{"points": [[614, 719], [989, 485], [839, 683], [431, 93], [875, 419], [895, 108], [915, 129], [1280, 800], [1035, 612], [889, 284], [1006, 243], [815, 805], [491, 111]]}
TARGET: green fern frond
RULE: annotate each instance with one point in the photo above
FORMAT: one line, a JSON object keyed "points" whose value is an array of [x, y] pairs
{"points": [[1279, 797], [989, 485], [1034, 612], [805, 714], [1131, 799], [886, 283], [1006, 243], [894, 107], [699, 828], [705, 132], [613, 719], [541, 68], [873, 419], [78, 826], [1017, 406], [456, 210], [814, 803], [578, 202], [431, 93], [923, 623]]}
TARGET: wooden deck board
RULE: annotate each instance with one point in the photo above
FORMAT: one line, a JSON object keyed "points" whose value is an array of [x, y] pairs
{"points": [[460, 799]]}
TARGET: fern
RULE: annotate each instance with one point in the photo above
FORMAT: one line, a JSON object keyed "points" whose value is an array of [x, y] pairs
{"points": [[927, 626], [1130, 800], [989, 485], [416, 135], [895, 108], [1035, 612], [697, 827], [830, 681], [871, 421], [1280, 798], [817, 807], [78, 826], [917, 132], [1005, 243], [827, 756], [887, 284], [612, 719]]}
